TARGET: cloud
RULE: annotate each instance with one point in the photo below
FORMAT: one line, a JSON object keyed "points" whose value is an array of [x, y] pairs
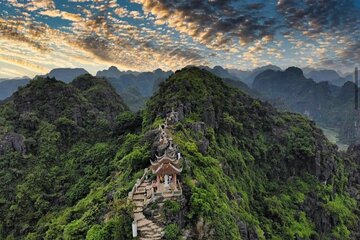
{"points": [[13, 30], [171, 34], [219, 24], [23, 63], [42, 4], [64, 15], [97, 37], [320, 16]]}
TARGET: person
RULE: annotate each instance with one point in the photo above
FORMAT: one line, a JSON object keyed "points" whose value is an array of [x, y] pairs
{"points": [[170, 179]]}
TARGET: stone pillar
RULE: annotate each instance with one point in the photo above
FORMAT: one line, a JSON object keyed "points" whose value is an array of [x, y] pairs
{"points": [[174, 177], [134, 229], [166, 180]]}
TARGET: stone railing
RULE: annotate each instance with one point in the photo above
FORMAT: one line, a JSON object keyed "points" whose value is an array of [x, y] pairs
{"points": [[137, 184]]}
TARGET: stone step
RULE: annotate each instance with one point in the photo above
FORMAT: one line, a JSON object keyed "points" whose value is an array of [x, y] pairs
{"points": [[145, 230], [140, 190], [151, 234], [153, 238], [139, 216], [139, 203], [143, 222], [138, 209], [138, 197]]}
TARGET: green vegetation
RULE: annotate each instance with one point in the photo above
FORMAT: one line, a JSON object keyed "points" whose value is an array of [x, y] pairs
{"points": [[171, 207], [259, 168], [172, 232], [248, 170]]}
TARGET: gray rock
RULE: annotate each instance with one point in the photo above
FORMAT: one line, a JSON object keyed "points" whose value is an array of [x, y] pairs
{"points": [[180, 111], [203, 145], [12, 142], [198, 127]]}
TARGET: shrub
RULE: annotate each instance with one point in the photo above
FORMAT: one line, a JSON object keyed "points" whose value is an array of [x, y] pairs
{"points": [[172, 232], [172, 207]]}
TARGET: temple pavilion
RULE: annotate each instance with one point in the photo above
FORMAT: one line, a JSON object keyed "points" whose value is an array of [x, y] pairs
{"points": [[166, 168]]}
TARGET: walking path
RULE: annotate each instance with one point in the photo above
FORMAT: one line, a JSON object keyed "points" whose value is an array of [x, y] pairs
{"points": [[143, 192], [147, 229]]}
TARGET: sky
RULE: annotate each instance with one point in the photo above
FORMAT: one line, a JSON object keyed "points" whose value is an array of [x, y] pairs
{"points": [[39, 35]]}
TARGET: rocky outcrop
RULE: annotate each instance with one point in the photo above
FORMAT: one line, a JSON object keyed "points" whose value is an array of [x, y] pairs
{"points": [[12, 142]]}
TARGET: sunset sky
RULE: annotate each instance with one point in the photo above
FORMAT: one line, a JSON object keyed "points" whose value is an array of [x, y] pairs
{"points": [[39, 35]]}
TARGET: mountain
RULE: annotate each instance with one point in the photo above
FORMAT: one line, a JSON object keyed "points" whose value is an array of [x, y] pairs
{"points": [[330, 106], [57, 142], [9, 86], [114, 72], [250, 79], [241, 74], [250, 171], [330, 76], [221, 72], [248, 76], [135, 87], [72, 154], [66, 74]]}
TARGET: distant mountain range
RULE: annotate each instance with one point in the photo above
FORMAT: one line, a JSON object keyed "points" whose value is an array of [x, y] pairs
{"points": [[9, 86], [325, 96], [329, 105], [249, 76], [330, 76], [134, 87]]}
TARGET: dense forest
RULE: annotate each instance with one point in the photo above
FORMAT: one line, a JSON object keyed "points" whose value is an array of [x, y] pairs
{"points": [[70, 153]]}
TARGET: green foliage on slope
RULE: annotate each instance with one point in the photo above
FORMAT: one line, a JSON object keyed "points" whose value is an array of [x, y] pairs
{"points": [[248, 171], [258, 175], [58, 184]]}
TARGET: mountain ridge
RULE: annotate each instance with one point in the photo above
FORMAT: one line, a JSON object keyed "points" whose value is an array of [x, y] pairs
{"points": [[249, 171], [328, 105]]}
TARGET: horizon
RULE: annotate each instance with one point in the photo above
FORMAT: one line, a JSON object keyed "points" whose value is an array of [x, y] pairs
{"points": [[340, 73], [142, 35]]}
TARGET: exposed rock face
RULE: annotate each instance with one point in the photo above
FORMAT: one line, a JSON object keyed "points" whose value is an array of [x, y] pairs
{"points": [[325, 165], [172, 117], [199, 128], [247, 232], [152, 137], [323, 220], [12, 142], [203, 230]]}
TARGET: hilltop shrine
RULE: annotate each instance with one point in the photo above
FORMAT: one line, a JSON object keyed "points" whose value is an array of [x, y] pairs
{"points": [[159, 182]]}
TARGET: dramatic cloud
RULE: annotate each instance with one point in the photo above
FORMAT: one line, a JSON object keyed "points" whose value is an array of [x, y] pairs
{"points": [[219, 24], [37, 35]]}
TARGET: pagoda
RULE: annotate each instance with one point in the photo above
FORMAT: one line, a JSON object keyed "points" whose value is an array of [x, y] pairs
{"points": [[166, 168]]}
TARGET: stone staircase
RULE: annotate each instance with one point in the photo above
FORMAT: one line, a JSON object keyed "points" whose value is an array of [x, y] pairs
{"points": [[147, 229]]}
